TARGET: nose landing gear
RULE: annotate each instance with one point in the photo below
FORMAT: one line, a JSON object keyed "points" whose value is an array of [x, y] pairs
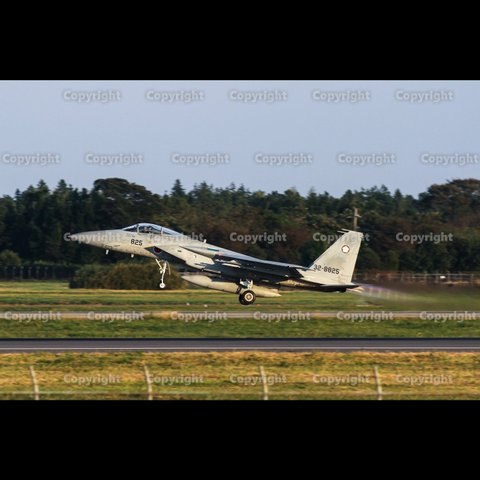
{"points": [[162, 266]]}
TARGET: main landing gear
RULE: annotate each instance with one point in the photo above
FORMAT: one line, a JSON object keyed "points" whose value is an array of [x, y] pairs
{"points": [[247, 298], [162, 266]]}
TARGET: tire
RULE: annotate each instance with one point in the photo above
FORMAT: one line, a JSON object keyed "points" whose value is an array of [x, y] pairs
{"points": [[248, 297]]}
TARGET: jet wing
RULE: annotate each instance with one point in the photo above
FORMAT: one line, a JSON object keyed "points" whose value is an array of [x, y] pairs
{"points": [[233, 259], [245, 262]]}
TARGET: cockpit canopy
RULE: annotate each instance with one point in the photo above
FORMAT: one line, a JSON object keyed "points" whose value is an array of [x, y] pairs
{"points": [[150, 228]]}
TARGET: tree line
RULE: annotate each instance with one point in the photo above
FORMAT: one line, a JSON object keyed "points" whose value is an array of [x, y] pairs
{"points": [[33, 222]]}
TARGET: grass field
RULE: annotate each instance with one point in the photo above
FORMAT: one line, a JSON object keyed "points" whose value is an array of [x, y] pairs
{"points": [[33, 295], [57, 295], [200, 313], [237, 375], [62, 312]]}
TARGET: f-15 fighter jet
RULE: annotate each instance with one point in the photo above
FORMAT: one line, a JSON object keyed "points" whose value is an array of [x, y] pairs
{"points": [[228, 271]]}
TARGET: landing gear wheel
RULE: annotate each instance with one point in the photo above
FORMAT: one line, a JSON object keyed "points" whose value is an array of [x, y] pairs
{"points": [[248, 297], [162, 266]]}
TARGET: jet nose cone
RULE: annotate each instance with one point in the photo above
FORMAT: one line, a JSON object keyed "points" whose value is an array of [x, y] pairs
{"points": [[79, 237], [89, 238], [98, 238]]}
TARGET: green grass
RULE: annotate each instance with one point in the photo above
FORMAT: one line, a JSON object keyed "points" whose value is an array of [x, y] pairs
{"points": [[216, 375], [238, 327], [46, 295], [162, 313], [236, 375]]}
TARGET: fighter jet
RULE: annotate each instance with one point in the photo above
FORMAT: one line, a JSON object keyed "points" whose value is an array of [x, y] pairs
{"points": [[228, 271]]}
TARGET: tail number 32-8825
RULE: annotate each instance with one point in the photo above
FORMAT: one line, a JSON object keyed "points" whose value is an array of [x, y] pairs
{"points": [[327, 269]]}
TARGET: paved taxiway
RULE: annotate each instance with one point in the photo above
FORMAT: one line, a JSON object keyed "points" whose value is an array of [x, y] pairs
{"points": [[251, 344]]}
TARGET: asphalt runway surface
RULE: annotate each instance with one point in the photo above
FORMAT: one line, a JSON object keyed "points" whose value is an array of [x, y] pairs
{"points": [[247, 344]]}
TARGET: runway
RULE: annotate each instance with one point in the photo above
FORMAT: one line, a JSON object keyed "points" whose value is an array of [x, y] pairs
{"points": [[247, 344]]}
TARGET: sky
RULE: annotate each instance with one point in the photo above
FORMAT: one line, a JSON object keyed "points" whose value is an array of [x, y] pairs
{"points": [[267, 135]]}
